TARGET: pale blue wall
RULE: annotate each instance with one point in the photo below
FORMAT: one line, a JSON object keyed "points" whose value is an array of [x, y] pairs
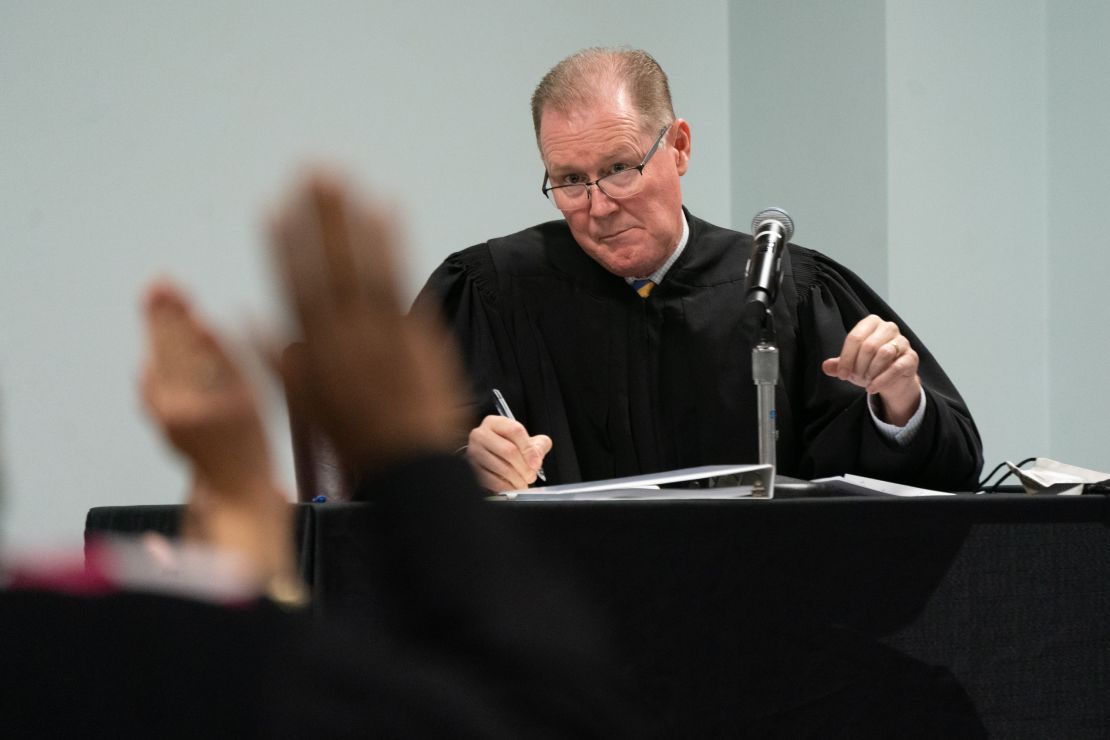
{"points": [[809, 124], [137, 138], [979, 130], [1077, 246], [966, 186]]}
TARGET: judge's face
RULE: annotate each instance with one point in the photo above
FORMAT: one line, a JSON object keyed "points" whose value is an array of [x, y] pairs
{"points": [[634, 236]]}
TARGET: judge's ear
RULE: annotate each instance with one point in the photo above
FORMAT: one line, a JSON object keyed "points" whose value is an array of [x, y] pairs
{"points": [[680, 130]]}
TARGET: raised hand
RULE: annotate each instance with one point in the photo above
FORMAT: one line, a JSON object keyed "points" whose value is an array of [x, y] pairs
{"points": [[199, 398], [381, 384], [207, 410]]}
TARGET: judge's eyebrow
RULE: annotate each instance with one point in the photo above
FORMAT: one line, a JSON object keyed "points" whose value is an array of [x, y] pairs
{"points": [[563, 171], [628, 156]]}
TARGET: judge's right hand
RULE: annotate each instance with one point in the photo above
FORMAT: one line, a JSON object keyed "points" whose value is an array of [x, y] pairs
{"points": [[503, 455]]}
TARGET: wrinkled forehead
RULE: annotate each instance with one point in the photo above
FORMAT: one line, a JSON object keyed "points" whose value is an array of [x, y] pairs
{"points": [[596, 128], [594, 149]]}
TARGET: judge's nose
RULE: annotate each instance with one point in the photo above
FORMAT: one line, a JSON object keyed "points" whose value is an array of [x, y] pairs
{"points": [[600, 203]]}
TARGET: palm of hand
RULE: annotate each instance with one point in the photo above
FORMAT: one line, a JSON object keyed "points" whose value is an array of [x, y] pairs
{"points": [[200, 399]]}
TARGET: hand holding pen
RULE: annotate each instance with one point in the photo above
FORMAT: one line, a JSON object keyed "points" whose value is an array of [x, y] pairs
{"points": [[504, 456], [504, 410]]}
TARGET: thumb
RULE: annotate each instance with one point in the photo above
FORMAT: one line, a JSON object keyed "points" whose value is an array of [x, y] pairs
{"points": [[830, 366], [540, 446]]}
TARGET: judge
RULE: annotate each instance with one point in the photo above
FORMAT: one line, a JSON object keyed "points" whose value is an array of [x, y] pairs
{"points": [[615, 333]]}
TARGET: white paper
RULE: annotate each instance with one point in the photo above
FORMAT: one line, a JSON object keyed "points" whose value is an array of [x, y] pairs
{"points": [[648, 486], [882, 486], [1050, 476]]}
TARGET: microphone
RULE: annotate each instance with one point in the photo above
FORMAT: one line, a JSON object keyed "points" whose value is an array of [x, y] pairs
{"points": [[772, 228]]}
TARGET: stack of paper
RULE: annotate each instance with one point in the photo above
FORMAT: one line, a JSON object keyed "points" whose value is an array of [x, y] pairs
{"points": [[705, 482]]}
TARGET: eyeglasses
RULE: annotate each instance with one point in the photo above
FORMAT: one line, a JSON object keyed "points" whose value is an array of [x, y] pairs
{"points": [[622, 182]]}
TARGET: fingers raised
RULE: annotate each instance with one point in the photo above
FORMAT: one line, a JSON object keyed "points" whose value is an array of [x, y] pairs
{"points": [[380, 383], [333, 252]]}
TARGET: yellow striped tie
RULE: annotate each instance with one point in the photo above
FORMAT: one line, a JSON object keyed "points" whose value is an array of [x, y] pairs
{"points": [[643, 287]]}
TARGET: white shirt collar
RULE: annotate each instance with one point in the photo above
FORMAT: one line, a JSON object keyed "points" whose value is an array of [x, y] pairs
{"points": [[657, 276]]}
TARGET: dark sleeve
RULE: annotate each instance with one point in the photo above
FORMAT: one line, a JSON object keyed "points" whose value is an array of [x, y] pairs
{"points": [[462, 291], [504, 347], [838, 433], [458, 579]]}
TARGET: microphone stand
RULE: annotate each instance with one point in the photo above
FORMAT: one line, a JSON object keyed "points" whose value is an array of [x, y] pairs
{"points": [[765, 373]]}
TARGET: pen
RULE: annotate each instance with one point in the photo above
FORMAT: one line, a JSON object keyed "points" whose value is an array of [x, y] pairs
{"points": [[504, 410]]}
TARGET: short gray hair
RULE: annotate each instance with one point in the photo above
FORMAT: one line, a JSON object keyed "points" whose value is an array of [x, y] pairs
{"points": [[580, 79]]}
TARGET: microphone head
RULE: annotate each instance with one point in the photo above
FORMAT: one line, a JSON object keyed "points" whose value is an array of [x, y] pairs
{"points": [[773, 214]]}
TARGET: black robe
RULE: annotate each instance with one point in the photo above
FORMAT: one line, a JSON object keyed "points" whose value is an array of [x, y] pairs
{"points": [[625, 385]]}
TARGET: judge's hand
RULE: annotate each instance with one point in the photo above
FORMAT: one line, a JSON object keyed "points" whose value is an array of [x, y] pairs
{"points": [[381, 384], [503, 455], [877, 358]]}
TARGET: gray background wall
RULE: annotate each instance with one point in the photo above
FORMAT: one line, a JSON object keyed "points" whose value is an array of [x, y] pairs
{"points": [[954, 157]]}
